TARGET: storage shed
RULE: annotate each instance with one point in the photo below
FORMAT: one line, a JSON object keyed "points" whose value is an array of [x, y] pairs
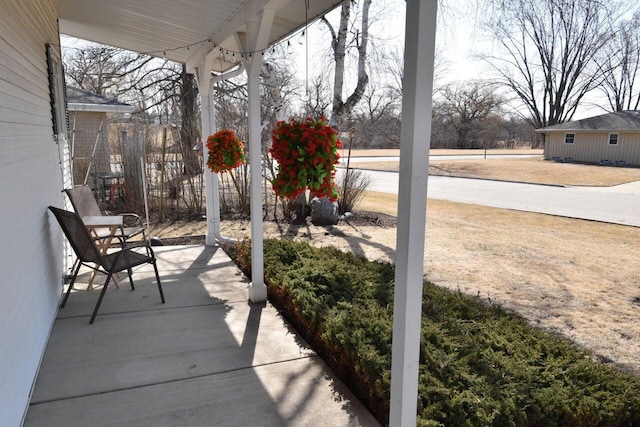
{"points": [[89, 115], [608, 139]]}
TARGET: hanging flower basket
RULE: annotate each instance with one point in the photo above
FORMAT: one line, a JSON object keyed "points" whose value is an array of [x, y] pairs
{"points": [[226, 151], [307, 154]]}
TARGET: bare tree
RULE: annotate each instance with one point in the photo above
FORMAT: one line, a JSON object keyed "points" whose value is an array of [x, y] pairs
{"points": [[621, 60], [131, 77], [468, 106], [547, 52], [357, 39], [518, 131], [376, 119], [101, 69], [443, 132], [190, 125], [318, 101], [279, 86]]}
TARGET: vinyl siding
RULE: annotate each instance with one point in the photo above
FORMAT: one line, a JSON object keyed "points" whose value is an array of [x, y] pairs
{"points": [[592, 147], [31, 257]]}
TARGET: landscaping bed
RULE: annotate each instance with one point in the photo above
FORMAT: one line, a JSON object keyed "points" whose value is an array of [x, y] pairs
{"points": [[479, 364]]}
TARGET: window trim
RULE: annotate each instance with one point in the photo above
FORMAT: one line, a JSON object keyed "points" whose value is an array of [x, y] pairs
{"points": [[573, 138], [617, 140], [57, 92]]}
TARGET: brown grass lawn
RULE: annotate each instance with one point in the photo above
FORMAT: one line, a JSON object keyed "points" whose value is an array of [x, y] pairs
{"points": [[578, 278], [439, 152], [532, 169]]}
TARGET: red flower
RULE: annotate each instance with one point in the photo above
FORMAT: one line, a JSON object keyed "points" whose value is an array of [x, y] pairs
{"points": [[226, 151], [307, 153]]}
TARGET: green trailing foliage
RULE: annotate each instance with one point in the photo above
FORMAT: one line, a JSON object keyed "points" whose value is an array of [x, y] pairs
{"points": [[479, 365]]}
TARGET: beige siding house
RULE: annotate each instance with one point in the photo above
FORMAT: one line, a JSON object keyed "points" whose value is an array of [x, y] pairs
{"points": [[89, 115], [608, 139]]}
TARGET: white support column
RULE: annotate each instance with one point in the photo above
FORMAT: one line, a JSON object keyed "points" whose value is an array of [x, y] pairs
{"points": [[203, 77], [211, 183], [258, 290], [412, 200], [257, 35]]}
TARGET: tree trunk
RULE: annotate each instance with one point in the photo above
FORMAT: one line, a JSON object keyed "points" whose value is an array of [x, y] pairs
{"points": [[190, 129], [341, 109]]}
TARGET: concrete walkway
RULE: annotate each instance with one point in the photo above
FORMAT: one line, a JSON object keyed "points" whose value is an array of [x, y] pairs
{"points": [[205, 358]]}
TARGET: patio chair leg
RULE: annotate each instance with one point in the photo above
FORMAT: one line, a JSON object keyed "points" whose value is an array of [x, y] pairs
{"points": [[104, 290], [129, 272], [158, 280], [73, 280], [123, 244], [75, 264]]}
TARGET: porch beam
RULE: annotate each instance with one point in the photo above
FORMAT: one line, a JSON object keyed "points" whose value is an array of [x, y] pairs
{"points": [[248, 12], [420, 36], [256, 39]]}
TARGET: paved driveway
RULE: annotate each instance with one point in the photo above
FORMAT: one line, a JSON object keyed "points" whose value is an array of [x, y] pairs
{"points": [[620, 204]]}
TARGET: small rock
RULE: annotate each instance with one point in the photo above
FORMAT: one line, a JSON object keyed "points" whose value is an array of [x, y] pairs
{"points": [[324, 212]]}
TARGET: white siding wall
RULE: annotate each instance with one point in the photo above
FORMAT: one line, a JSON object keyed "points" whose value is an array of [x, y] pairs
{"points": [[594, 146], [31, 255]]}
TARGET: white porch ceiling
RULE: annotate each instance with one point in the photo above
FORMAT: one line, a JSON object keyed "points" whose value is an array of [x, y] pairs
{"points": [[164, 28]]}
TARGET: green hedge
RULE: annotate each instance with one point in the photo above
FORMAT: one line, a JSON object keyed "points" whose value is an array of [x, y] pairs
{"points": [[479, 365]]}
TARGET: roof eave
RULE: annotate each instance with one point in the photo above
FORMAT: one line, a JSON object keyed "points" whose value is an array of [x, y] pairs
{"points": [[101, 108], [547, 130]]}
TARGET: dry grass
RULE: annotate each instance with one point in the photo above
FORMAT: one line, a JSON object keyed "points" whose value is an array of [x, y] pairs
{"points": [[440, 152], [579, 278], [530, 169]]}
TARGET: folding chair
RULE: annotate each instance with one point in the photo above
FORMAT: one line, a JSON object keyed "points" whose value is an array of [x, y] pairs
{"points": [[89, 255], [85, 204]]}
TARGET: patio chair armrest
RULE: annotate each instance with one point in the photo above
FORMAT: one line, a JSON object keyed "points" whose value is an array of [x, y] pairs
{"points": [[135, 216], [144, 244]]}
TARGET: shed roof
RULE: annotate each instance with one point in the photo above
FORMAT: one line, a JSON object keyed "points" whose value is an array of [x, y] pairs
{"points": [[616, 121], [83, 100]]}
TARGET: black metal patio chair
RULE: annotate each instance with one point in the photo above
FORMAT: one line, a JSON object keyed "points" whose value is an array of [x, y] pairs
{"points": [[85, 204], [89, 255]]}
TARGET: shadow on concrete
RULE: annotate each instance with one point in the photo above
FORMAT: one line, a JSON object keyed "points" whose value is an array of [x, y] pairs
{"points": [[206, 357]]}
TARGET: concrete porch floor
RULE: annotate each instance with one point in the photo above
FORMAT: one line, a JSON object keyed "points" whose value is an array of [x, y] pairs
{"points": [[205, 358]]}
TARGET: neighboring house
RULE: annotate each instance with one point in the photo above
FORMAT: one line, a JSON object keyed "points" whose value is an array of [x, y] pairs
{"points": [[89, 116], [609, 139]]}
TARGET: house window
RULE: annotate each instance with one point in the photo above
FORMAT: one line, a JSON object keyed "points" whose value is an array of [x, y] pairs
{"points": [[613, 139], [569, 138]]}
